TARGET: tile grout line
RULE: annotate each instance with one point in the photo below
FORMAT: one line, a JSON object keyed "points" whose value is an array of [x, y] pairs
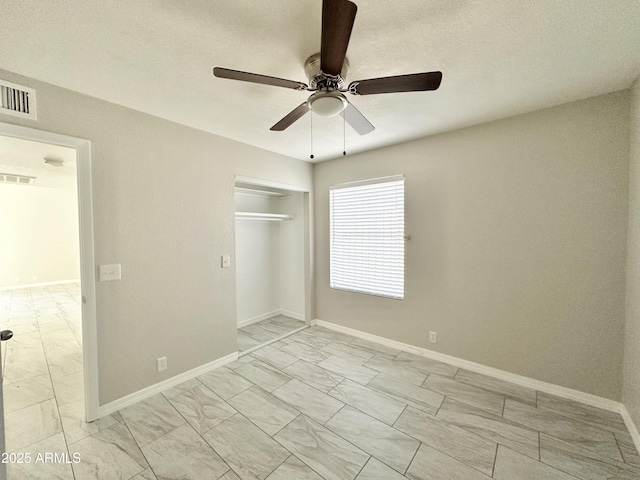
{"points": [[225, 401], [497, 444], [621, 453], [495, 460], [551, 466], [412, 458], [447, 454], [581, 422], [271, 341], [539, 448], [376, 420], [64, 433], [293, 454], [126, 425], [364, 413], [365, 464], [602, 458], [55, 395], [259, 428]]}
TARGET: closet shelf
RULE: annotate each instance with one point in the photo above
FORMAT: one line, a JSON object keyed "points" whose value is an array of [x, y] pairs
{"points": [[261, 193], [278, 217]]}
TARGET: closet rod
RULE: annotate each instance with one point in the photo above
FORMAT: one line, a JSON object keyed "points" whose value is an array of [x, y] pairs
{"points": [[263, 216], [264, 193]]}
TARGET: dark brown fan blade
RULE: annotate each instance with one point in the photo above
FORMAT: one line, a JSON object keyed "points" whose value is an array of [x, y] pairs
{"points": [[255, 78], [337, 22], [291, 117], [415, 82], [358, 121]]}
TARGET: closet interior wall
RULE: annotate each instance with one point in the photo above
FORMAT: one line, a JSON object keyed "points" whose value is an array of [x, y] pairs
{"points": [[269, 255]]}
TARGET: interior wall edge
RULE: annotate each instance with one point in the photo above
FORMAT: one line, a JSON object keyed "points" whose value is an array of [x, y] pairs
{"points": [[631, 360]]}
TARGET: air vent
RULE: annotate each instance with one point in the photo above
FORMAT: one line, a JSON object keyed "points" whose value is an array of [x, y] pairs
{"points": [[17, 100], [17, 179]]}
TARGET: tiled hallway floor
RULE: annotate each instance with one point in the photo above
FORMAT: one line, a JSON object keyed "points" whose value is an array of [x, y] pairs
{"points": [[266, 331], [323, 405]]}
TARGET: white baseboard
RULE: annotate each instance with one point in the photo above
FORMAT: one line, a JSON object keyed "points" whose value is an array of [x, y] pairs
{"points": [[41, 284], [275, 313], [563, 392], [135, 397], [256, 319], [290, 314]]}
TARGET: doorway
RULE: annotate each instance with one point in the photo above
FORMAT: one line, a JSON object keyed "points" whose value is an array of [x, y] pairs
{"points": [[272, 262], [63, 308]]}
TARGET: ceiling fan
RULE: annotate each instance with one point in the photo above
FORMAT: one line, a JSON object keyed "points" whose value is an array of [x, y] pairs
{"points": [[327, 72]]}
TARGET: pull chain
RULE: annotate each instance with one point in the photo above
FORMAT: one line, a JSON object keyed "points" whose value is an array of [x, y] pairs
{"points": [[311, 116], [344, 134]]}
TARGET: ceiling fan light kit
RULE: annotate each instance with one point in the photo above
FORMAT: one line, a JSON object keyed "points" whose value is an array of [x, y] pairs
{"points": [[327, 72], [327, 104]]}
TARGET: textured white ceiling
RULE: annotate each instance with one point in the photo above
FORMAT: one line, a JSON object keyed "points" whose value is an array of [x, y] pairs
{"points": [[24, 157], [499, 58]]}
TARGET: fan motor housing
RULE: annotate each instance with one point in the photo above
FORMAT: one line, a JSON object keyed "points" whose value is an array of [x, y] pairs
{"points": [[318, 80]]}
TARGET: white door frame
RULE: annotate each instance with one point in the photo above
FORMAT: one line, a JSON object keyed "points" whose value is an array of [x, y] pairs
{"points": [[87, 259]]}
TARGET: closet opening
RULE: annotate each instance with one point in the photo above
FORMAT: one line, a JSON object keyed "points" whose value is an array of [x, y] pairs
{"points": [[272, 260]]}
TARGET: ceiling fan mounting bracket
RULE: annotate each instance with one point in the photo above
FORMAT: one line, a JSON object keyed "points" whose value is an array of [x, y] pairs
{"points": [[318, 80]]}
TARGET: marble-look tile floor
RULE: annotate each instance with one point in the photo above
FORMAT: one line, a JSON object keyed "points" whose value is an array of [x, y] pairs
{"points": [[266, 331], [323, 405], [42, 369]]}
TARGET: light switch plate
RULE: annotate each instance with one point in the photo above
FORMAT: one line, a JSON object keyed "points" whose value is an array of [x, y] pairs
{"points": [[225, 261], [110, 272]]}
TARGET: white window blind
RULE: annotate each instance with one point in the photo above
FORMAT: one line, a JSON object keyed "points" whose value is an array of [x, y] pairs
{"points": [[367, 237]]}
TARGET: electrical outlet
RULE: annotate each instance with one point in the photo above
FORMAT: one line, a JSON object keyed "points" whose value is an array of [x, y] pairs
{"points": [[162, 363], [433, 337]]}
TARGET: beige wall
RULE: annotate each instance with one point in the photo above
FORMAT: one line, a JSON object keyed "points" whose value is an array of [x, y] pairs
{"points": [[292, 235], [517, 251], [163, 208], [631, 392], [39, 240]]}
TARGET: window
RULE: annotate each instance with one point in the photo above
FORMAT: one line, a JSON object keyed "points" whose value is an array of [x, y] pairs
{"points": [[367, 236]]}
